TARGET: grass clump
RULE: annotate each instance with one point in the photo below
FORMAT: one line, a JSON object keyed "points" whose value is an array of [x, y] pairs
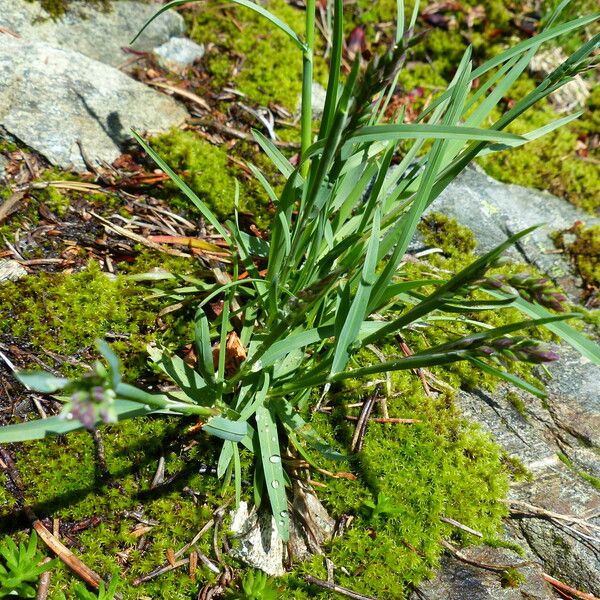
{"points": [[302, 312]]}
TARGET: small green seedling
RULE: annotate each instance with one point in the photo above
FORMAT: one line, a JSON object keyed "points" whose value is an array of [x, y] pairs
{"points": [[256, 585], [384, 505], [21, 567]]}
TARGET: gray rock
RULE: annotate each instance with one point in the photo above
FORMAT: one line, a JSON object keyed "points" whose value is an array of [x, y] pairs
{"points": [[564, 423], [100, 35], [11, 270], [319, 93], [50, 98], [458, 580], [179, 53], [257, 543], [3, 163], [495, 210]]}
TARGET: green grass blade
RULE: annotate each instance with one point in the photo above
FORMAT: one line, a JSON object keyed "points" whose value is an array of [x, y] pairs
{"points": [[335, 66], [532, 135], [408, 131], [203, 346], [508, 377], [226, 429], [350, 329], [225, 458], [277, 158], [272, 467], [201, 206]]}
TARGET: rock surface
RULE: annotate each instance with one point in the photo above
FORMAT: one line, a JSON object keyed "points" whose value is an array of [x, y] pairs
{"points": [[11, 270], [495, 210], [100, 35], [457, 580], [50, 98], [178, 53], [538, 433], [258, 543]]}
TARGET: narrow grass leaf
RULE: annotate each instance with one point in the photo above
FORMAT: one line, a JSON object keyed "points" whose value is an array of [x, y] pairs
{"points": [[272, 467], [508, 377], [41, 428]]}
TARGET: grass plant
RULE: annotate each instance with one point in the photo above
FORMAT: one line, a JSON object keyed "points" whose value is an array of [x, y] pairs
{"points": [[330, 281]]}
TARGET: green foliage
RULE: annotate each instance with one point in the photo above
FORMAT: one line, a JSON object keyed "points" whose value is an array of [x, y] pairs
{"points": [[65, 314], [382, 506], [20, 567], [256, 585], [104, 592], [328, 284], [333, 263]]}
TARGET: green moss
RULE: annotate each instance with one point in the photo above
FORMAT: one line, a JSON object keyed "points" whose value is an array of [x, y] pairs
{"points": [[591, 479], [436, 465], [584, 251], [57, 8], [65, 314], [446, 233], [496, 542], [512, 578], [207, 169], [61, 481], [515, 467], [261, 61], [518, 404]]}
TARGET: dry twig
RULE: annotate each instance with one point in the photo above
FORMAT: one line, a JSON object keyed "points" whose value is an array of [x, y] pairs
{"points": [[336, 588]]}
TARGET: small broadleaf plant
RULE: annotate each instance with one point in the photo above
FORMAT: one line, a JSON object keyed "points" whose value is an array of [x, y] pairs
{"points": [[20, 568], [330, 279]]}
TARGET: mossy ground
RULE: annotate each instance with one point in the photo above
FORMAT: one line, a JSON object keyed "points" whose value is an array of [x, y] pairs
{"points": [[209, 171], [251, 54], [441, 465]]}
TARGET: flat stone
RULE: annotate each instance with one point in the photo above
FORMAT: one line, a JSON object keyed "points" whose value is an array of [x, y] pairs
{"points": [[98, 34], [51, 97], [565, 423], [457, 580], [179, 53], [11, 270]]}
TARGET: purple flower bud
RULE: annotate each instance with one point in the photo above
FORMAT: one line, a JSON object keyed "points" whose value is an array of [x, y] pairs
{"points": [[538, 354], [503, 342], [84, 412], [97, 394], [486, 350]]}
